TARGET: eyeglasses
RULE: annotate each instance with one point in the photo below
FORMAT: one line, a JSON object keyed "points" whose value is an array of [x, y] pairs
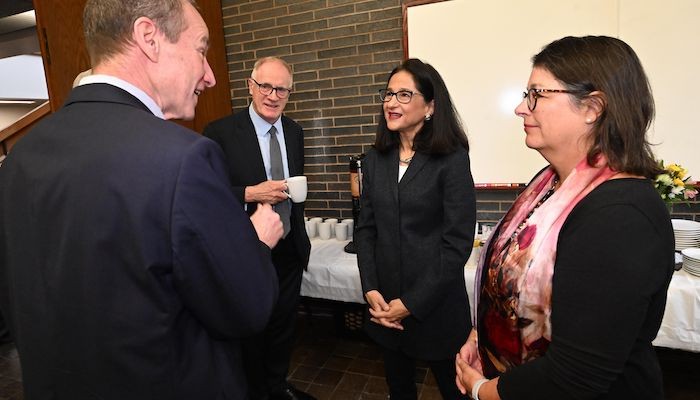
{"points": [[402, 96], [533, 94], [266, 89]]}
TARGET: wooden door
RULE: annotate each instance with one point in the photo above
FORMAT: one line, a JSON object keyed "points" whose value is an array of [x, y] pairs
{"points": [[60, 30]]}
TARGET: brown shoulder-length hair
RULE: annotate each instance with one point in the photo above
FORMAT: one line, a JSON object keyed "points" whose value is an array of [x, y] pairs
{"points": [[609, 66], [443, 132]]}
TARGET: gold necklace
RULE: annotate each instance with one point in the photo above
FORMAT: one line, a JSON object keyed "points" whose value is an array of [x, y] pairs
{"points": [[408, 159]]}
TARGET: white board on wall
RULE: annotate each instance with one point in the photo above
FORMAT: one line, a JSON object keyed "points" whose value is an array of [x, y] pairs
{"points": [[483, 49]]}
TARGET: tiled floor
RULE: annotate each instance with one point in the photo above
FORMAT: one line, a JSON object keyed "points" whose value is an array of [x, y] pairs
{"points": [[332, 365]]}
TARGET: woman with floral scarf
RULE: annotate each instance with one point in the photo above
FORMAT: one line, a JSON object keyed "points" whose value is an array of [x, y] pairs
{"points": [[571, 287]]}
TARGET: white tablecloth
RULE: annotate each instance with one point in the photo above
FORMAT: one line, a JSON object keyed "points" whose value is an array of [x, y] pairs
{"points": [[333, 275]]}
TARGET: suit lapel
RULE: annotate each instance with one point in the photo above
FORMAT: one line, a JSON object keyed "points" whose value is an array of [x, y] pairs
{"points": [[249, 140], [290, 142], [389, 170], [417, 163]]}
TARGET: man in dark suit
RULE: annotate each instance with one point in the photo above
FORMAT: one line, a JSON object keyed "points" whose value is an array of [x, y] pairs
{"points": [[127, 268], [4, 331], [262, 149]]}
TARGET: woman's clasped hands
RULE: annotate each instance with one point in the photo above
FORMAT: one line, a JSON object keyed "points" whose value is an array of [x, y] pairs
{"points": [[386, 314], [468, 364]]}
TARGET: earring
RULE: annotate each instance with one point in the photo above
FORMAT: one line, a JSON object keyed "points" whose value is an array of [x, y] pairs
{"points": [[589, 120], [428, 117]]}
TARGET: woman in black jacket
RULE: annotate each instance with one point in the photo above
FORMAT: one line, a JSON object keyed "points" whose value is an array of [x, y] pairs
{"points": [[415, 230]]}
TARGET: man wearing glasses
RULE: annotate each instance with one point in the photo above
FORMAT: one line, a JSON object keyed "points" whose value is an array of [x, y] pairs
{"points": [[262, 149]]}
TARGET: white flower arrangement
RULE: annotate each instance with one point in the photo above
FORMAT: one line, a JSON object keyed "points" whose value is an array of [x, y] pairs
{"points": [[674, 184]]}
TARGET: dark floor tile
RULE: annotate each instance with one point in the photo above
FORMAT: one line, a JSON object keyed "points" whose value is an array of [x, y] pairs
{"points": [[321, 392], [316, 357], [305, 373], [377, 386], [349, 349], [338, 363], [370, 352], [299, 354], [301, 385], [353, 382], [328, 377], [10, 368], [362, 366], [379, 369], [10, 389], [346, 395], [430, 379], [373, 396], [8, 350]]}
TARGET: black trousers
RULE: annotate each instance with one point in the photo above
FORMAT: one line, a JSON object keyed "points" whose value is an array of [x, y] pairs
{"points": [[400, 371], [266, 356], [4, 331]]}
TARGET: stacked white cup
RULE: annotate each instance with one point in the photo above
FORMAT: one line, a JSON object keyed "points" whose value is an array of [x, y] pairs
{"points": [[351, 225], [332, 222], [341, 231], [324, 230]]}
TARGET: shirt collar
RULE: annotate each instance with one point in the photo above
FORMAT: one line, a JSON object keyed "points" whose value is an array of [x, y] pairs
{"points": [[262, 126], [124, 85]]}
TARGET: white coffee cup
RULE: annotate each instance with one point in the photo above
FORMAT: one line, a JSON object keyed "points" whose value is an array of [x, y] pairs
{"points": [[341, 231], [310, 228], [324, 230], [297, 188], [332, 222], [351, 225]]}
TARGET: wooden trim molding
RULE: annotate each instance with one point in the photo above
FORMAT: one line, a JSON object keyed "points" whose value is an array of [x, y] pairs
{"points": [[9, 135], [404, 13]]}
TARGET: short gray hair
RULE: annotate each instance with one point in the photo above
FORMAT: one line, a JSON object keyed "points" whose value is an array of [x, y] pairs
{"points": [[108, 24], [264, 60]]}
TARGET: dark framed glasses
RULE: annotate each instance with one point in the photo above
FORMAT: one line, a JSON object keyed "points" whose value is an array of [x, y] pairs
{"points": [[402, 96], [533, 94], [266, 89]]}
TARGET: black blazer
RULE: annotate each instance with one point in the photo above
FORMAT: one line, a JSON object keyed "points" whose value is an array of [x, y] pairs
{"points": [[127, 268], [413, 239], [236, 136]]}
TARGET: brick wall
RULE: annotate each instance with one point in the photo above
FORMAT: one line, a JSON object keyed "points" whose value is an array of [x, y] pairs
{"points": [[341, 52], [491, 205]]}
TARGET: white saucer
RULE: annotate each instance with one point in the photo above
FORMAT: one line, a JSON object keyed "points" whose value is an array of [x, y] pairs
{"points": [[685, 225]]}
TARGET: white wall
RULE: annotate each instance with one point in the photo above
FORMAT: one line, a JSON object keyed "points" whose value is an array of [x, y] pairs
{"points": [[483, 50], [11, 113], [22, 77]]}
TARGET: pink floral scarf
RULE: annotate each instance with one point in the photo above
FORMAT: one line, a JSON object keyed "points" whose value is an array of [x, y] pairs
{"points": [[514, 302]]}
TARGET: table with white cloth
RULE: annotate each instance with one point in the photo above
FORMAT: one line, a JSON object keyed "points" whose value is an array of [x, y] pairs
{"points": [[333, 274]]}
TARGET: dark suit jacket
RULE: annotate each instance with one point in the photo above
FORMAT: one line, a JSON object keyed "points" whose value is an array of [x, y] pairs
{"points": [[413, 239], [236, 136], [127, 268]]}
